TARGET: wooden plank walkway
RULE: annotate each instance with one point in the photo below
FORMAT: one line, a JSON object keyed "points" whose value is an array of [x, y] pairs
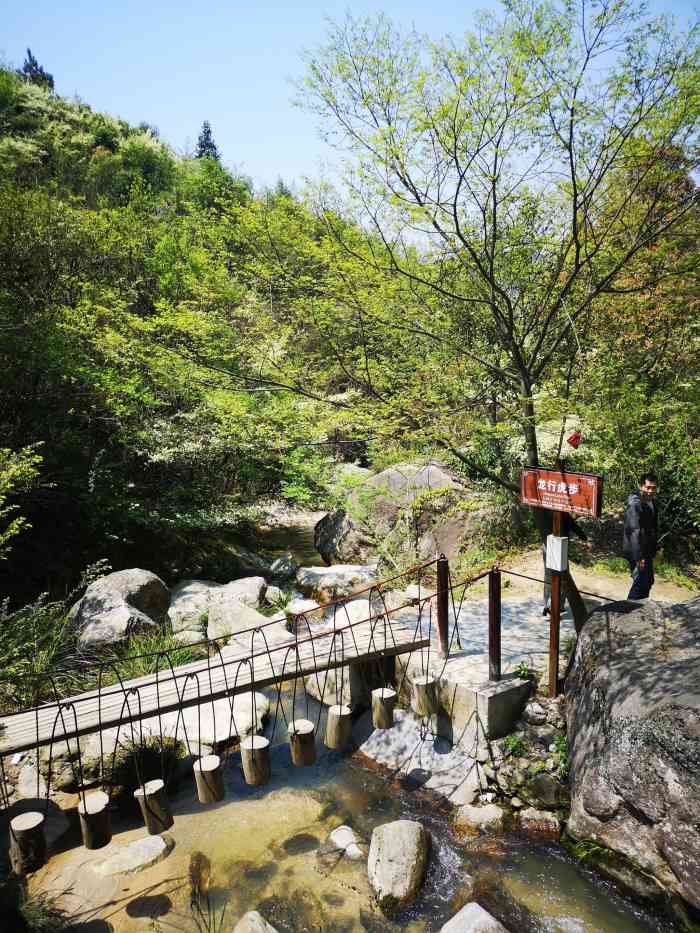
{"points": [[225, 675]]}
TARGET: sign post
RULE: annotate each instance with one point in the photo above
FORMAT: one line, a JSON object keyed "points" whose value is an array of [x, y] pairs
{"points": [[559, 492]]}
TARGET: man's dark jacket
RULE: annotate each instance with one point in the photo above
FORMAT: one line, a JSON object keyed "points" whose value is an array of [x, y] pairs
{"points": [[639, 540]]}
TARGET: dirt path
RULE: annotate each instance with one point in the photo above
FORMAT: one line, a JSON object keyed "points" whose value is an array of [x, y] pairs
{"points": [[599, 584]]}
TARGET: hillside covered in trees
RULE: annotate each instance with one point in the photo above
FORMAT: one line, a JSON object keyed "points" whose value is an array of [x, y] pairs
{"points": [[176, 346]]}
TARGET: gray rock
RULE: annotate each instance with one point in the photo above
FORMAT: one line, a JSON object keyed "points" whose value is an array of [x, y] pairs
{"points": [[299, 605], [534, 714], [339, 538], [189, 636], [633, 710], [189, 601], [398, 858], [137, 855], [488, 818], [284, 569], [539, 823], [228, 614], [249, 590], [427, 524], [119, 605], [30, 783], [473, 919], [341, 843], [253, 922], [327, 583], [273, 595], [547, 789]]}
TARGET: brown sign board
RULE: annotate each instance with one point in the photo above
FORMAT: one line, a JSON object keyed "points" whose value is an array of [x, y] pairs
{"points": [[579, 493]]}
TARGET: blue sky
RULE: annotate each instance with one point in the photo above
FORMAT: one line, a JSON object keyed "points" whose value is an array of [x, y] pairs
{"points": [[178, 63]]}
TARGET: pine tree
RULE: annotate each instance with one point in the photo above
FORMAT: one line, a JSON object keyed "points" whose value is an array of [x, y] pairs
{"points": [[33, 72], [206, 147]]}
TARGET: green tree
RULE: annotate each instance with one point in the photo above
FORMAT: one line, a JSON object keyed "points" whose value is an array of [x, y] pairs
{"points": [[489, 169], [32, 71], [206, 147]]}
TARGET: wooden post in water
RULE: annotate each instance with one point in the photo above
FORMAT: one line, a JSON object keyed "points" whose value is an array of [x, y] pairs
{"points": [[338, 727], [555, 617], [95, 822], [383, 703], [424, 700], [302, 742], [443, 600], [27, 843], [155, 806], [255, 758], [209, 778], [495, 624]]}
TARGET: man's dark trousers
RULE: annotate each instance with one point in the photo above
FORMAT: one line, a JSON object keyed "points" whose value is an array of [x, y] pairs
{"points": [[642, 580]]}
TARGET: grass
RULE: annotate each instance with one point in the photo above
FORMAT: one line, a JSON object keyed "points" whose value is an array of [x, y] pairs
{"points": [[515, 745], [40, 656], [618, 567], [144, 654], [36, 912]]}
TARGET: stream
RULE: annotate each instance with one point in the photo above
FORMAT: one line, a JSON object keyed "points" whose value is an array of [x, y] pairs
{"points": [[263, 846]]}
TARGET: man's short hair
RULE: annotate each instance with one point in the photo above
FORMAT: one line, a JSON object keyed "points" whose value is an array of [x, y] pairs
{"points": [[648, 478]]}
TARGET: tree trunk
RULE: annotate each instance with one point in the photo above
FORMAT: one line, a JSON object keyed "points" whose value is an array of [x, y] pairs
{"points": [[528, 410]]}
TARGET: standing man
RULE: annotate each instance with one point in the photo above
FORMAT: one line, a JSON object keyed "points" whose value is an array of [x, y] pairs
{"points": [[639, 542]]}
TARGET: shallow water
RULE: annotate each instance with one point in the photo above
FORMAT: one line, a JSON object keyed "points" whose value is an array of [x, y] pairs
{"points": [[274, 540], [263, 844]]}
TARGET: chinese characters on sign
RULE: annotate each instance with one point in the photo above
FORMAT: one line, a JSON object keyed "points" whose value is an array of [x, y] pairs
{"points": [[579, 493]]}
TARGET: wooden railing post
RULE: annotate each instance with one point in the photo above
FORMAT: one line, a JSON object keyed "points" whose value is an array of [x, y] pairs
{"points": [[443, 600], [555, 616], [495, 624]]}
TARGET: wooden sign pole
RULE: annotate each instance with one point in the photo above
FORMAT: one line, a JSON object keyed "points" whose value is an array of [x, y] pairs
{"points": [[555, 616]]}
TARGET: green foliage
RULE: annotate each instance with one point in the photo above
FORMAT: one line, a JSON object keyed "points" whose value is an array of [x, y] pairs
{"points": [[18, 473], [525, 672], [515, 745], [37, 651]]}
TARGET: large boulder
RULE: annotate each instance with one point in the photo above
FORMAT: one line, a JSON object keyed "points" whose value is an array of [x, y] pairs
{"points": [[633, 710], [413, 509], [231, 617], [327, 583], [119, 605], [338, 537], [189, 605], [398, 858]]}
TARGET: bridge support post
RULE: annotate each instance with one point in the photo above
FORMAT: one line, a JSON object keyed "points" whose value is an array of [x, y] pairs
{"points": [[209, 778], [383, 703], [27, 843], [155, 806], [338, 727], [95, 822], [443, 601], [494, 624], [255, 757], [424, 700], [302, 742]]}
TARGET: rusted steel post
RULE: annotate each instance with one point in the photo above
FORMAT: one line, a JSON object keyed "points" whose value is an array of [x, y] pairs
{"points": [[495, 624], [555, 617], [443, 601]]}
